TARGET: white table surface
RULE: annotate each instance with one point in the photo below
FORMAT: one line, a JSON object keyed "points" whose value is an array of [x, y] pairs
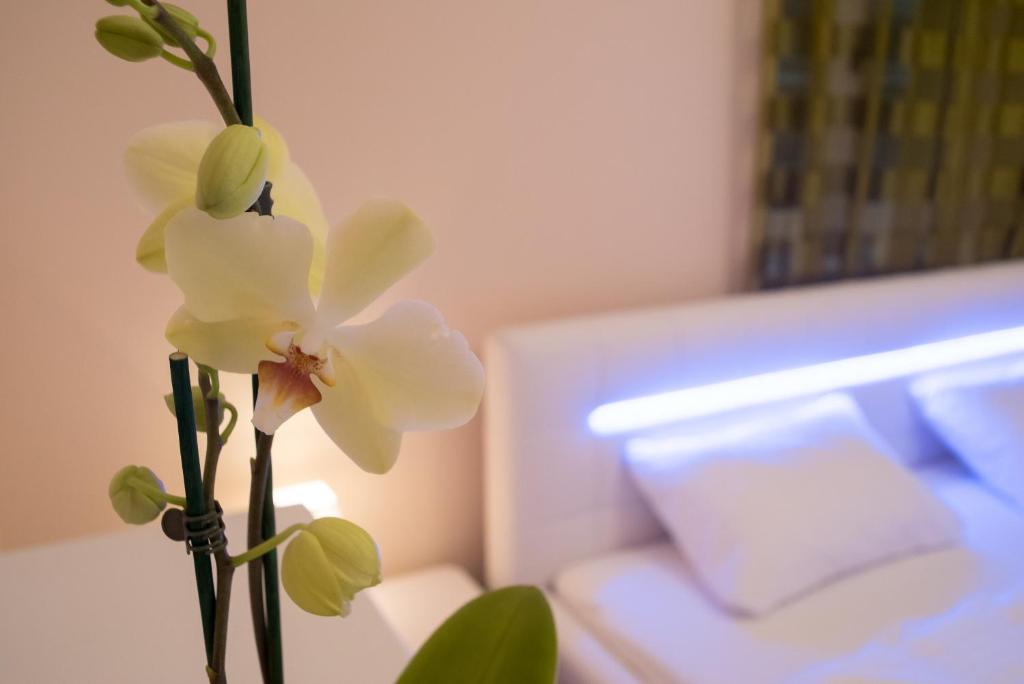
{"points": [[123, 608]]}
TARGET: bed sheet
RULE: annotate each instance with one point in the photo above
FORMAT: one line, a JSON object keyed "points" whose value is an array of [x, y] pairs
{"points": [[646, 607]]}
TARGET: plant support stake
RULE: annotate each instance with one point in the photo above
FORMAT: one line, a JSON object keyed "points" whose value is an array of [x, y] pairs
{"points": [[195, 504]]}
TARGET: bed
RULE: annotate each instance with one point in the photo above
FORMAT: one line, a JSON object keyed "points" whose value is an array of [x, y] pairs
{"points": [[562, 511]]}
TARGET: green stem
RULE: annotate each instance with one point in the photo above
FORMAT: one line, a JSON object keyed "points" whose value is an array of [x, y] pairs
{"points": [[257, 497], [214, 375], [211, 44], [272, 585], [142, 9], [156, 492], [264, 592], [204, 67], [225, 575], [177, 61], [269, 545], [194, 499], [209, 385], [241, 83], [231, 421], [214, 444]]}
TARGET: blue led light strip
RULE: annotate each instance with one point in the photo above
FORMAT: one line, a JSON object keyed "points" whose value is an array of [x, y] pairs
{"points": [[719, 397]]}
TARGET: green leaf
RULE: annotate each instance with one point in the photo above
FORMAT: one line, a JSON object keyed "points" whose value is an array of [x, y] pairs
{"points": [[503, 637], [199, 407]]}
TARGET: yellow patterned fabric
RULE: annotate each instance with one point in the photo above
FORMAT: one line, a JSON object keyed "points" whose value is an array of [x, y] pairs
{"points": [[892, 137]]}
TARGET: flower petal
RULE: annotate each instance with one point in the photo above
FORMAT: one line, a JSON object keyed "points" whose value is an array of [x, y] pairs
{"points": [[352, 552], [161, 161], [294, 196], [248, 266], [345, 415], [309, 578], [150, 250], [367, 254], [284, 391], [233, 346], [417, 374], [277, 148]]}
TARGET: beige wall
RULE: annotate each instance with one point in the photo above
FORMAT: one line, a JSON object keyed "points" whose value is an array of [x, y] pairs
{"points": [[571, 155]]}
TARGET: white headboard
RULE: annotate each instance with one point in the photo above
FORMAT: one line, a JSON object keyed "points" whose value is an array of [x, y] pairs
{"points": [[555, 493]]}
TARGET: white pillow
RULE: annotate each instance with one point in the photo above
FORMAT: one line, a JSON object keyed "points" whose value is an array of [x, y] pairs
{"points": [[980, 417], [769, 508]]}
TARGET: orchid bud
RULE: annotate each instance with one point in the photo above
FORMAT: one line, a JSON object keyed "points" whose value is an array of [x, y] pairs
{"points": [[187, 21], [135, 494], [232, 172], [327, 563], [129, 38]]}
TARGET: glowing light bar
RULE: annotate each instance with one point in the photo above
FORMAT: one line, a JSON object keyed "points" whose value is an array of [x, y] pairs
{"points": [[719, 397], [316, 495], [696, 443]]}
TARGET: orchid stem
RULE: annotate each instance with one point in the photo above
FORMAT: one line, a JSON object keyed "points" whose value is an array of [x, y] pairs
{"points": [[177, 61], [214, 443], [257, 499], [268, 545], [142, 8], [209, 385], [241, 82], [214, 380], [204, 67], [231, 421], [156, 492], [264, 591]]}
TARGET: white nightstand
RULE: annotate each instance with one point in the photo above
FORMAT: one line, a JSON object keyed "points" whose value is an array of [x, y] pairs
{"points": [[123, 608], [416, 603]]}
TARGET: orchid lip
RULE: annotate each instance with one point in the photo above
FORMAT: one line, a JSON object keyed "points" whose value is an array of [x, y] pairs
{"points": [[286, 344], [286, 386]]}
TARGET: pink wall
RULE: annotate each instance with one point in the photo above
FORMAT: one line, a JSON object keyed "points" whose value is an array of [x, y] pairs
{"points": [[571, 156]]}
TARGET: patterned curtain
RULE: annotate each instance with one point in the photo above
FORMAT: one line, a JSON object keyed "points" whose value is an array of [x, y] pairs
{"points": [[892, 137]]}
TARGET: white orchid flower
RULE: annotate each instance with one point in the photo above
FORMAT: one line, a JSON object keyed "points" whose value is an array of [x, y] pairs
{"points": [[248, 309], [162, 163]]}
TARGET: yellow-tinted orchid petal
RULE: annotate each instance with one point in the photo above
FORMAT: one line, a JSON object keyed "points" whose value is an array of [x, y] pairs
{"points": [[310, 579], [234, 346], [295, 197], [162, 161], [150, 250], [367, 254], [249, 266], [351, 550], [277, 149], [345, 415], [416, 372], [327, 563]]}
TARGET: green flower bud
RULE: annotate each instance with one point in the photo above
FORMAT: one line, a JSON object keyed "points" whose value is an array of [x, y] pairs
{"points": [[232, 172], [325, 565], [199, 407], [129, 38], [188, 23], [133, 493]]}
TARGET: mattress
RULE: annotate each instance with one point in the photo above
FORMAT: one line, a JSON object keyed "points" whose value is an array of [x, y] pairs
{"points": [[647, 609]]}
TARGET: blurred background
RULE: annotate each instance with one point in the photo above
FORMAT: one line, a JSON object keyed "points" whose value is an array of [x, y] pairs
{"points": [[571, 157]]}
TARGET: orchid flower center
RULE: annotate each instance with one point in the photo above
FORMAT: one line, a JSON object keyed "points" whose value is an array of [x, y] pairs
{"points": [[286, 387]]}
